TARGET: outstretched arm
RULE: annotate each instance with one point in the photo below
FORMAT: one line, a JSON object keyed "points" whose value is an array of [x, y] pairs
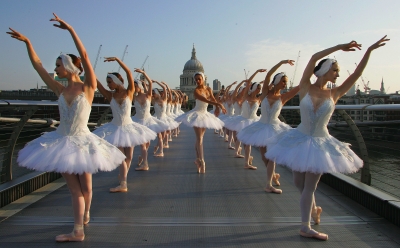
{"points": [[267, 80], [348, 83], [309, 70], [290, 94], [55, 86], [164, 98], [149, 93], [235, 92], [90, 76], [129, 76]]}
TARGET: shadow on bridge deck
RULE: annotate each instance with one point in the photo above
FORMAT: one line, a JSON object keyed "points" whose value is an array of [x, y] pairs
{"points": [[172, 206]]}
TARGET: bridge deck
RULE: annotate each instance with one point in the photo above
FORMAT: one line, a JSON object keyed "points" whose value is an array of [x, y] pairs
{"points": [[172, 206]]}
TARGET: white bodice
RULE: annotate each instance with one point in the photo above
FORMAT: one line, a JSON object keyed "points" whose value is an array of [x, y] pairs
{"points": [[142, 111], [314, 123], [230, 110], [201, 106], [160, 111], [74, 118], [249, 111], [237, 109], [121, 113], [270, 114]]}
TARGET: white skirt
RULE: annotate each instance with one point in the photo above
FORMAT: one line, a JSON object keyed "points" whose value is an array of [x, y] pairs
{"points": [[129, 135], [257, 133], [305, 153], [204, 119], [153, 123], [70, 154]]}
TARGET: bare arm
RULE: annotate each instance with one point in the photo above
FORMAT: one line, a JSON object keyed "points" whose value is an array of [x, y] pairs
{"points": [[106, 93], [267, 79], [55, 86], [235, 93], [90, 76], [309, 70], [164, 89], [289, 95], [129, 76], [349, 82]]}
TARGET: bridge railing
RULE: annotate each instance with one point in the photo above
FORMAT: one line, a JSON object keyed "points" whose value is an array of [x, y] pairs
{"points": [[22, 121]]}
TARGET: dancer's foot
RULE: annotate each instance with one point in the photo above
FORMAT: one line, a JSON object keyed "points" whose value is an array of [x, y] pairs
{"points": [[160, 154], [314, 234], [250, 160], [226, 139], [76, 235], [155, 149], [202, 167], [316, 215], [170, 138], [140, 160], [221, 135], [250, 167], [216, 131], [231, 147], [166, 146], [144, 167], [275, 179], [198, 164], [273, 190], [120, 188], [239, 156], [86, 217]]}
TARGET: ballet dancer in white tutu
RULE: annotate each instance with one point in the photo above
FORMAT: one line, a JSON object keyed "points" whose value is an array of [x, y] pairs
{"points": [[159, 102], [230, 113], [200, 119], [269, 125], [122, 131], [309, 150], [72, 149]]}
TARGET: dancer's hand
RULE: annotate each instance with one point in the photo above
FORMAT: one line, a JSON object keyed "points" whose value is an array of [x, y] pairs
{"points": [[379, 43], [261, 70], [109, 59], [222, 108], [351, 46], [139, 70], [289, 61], [17, 35], [62, 25]]}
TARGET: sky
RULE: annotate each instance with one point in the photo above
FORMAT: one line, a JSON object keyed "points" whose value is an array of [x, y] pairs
{"points": [[231, 37]]}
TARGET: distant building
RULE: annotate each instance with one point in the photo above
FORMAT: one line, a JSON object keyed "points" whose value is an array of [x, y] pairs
{"points": [[187, 84], [216, 84]]}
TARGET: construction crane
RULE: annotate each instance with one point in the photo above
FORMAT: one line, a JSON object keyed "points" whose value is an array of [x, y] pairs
{"points": [[142, 67], [123, 56], [366, 85], [294, 73], [246, 73], [97, 58]]}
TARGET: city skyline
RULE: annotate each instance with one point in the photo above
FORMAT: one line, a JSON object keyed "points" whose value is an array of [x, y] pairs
{"points": [[230, 37]]}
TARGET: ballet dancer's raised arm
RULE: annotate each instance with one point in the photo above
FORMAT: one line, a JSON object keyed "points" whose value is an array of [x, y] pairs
{"points": [[164, 97], [243, 96], [90, 81], [235, 92], [267, 80], [149, 89], [106, 93], [131, 87], [350, 81]]}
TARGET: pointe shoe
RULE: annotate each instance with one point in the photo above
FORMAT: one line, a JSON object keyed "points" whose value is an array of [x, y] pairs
{"points": [[314, 234], [140, 160], [239, 156], [231, 147], [215, 131], [72, 237], [155, 149], [316, 215], [120, 188], [250, 167], [86, 218], [202, 167], [275, 179], [198, 165], [170, 138], [273, 190], [161, 154], [166, 146], [144, 167], [250, 160]]}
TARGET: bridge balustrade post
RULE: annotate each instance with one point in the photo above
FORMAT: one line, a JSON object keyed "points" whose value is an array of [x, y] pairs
{"points": [[103, 117], [365, 171], [9, 150]]}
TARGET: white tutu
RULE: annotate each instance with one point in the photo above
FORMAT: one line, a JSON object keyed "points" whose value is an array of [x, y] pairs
{"points": [[309, 147], [199, 117], [72, 148], [248, 117], [257, 133], [143, 117], [305, 153], [160, 114]]}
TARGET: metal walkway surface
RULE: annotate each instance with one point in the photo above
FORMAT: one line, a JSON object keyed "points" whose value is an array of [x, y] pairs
{"points": [[172, 206]]}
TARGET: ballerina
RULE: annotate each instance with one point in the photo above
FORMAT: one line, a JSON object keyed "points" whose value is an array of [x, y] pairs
{"points": [[122, 131], [72, 149], [269, 125], [168, 135], [309, 150], [159, 102], [143, 116], [230, 112], [200, 119]]}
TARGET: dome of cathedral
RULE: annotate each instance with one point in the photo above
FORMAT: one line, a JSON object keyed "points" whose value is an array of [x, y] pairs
{"points": [[193, 64]]}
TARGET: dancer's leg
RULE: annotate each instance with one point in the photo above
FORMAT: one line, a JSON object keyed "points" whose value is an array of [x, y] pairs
{"points": [[123, 171], [199, 146], [159, 146], [248, 158], [238, 147], [78, 205], [166, 139], [144, 166]]}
